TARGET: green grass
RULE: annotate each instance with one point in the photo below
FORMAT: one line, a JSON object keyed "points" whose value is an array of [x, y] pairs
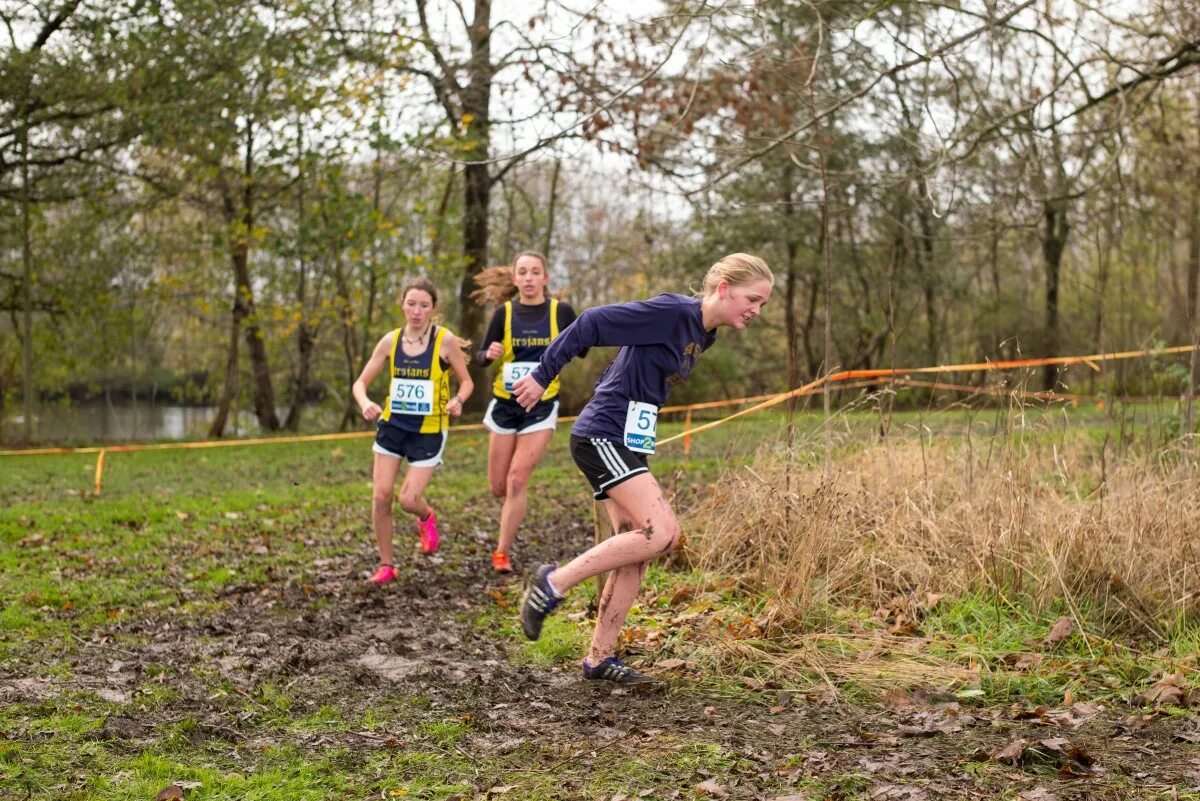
{"points": [[174, 532]]}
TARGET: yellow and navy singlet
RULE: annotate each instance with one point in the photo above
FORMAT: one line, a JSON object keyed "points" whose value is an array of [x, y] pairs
{"points": [[419, 386], [524, 344]]}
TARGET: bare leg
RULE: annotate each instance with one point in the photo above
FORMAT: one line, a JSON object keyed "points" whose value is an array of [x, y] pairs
{"points": [[528, 453], [618, 596], [500, 454], [384, 474], [412, 499], [658, 531]]}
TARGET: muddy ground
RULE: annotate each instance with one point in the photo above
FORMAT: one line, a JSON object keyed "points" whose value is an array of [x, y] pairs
{"points": [[426, 644]]}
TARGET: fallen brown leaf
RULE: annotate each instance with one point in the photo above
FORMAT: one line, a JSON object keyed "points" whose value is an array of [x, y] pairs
{"points": [[1171, 690], [898, 792], [710, 787], [1060, 631], [1058, 744], [1038, 794], [1011, 754]]}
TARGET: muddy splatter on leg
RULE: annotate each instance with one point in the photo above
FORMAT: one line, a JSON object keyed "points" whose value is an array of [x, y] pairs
{"points": [[640, 499], [619, 594]]}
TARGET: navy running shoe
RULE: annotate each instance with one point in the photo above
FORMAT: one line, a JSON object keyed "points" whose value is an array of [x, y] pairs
{"points": [[613, 669], [539, 600]]}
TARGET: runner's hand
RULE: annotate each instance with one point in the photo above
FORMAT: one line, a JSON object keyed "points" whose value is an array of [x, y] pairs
{"points": [[527, 392], [371, 412], [495, 350]]}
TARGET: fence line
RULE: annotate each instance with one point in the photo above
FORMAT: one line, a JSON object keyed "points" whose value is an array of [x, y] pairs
{"points": [[846, 379]]}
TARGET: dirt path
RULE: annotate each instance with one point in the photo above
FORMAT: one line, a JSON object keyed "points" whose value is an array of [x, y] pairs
{"points": [[412, 657]]}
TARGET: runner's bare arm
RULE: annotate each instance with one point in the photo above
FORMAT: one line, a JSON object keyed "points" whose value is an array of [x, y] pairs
{"points": [[374, 365], [458, 363]]}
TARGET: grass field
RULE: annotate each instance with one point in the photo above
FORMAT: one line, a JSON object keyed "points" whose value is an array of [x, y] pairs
{"points": [[204, 622]]}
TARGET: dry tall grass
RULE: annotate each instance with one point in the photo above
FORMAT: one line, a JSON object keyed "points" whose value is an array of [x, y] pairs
{"points": [[1027, 524]]}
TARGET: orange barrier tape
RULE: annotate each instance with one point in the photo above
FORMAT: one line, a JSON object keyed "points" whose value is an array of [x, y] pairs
{"points": [[767, 402], [999, 391], [1008, 365], [772, 400], [894, 373], [1035, 394], [715, 404]]}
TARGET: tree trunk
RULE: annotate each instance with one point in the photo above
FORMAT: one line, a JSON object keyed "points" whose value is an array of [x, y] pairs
{"points": [[1193, 285], [551, 208], [217, 429], [1054, 242], [306, 344], [350, 349], [792, 251], [27, 287], [304, 334], [1104, 248], [926, 269], [477, 185], [790, 322], [244, 307], [439, 228], [256, 349]]}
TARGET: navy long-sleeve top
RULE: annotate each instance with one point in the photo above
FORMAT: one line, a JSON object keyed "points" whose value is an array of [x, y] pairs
{"points": [[660, 340]]}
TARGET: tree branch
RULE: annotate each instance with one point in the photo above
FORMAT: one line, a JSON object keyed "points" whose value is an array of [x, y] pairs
{"points": [[866, 89]]}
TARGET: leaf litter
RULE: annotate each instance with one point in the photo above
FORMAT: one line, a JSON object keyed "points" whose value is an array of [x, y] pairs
{"points": [[413, 643]]}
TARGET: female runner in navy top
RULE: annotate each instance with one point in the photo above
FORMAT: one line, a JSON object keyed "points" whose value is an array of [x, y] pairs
{"points": [[521, 330], [660, 340]]}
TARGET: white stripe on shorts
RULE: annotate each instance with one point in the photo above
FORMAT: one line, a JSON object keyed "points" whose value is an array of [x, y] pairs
{"points": [[608, 484], [613, 463], [616, 457]]}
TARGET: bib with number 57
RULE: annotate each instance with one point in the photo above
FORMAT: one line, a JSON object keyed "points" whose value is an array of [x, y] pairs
{"points": [[515, 371], [412, 396], [641, 427]]}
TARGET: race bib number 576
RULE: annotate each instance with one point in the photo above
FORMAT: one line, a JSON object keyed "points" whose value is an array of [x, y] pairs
{"points": [[412, 396]]}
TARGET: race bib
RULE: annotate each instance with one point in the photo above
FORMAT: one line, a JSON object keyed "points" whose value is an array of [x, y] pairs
{"points": [[641, 426], [515, 371], [412, 396]]}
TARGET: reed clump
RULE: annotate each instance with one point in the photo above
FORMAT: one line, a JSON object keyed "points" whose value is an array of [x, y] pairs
{"points": [[1033, 522]]}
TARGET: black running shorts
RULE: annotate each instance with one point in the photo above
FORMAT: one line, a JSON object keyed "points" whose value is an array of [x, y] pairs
{"points": [[606, 463], [421, 450], [507, 417]]}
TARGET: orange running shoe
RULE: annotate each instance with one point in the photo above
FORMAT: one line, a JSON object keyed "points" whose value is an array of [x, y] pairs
{"points": [[500, 562]]}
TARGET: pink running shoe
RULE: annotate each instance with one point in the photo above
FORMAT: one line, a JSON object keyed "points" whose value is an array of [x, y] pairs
{"points": [[427, 528], [383, 575]]}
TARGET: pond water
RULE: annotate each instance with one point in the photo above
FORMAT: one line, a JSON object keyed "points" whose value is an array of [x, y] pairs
{"points": [[85, 423]]}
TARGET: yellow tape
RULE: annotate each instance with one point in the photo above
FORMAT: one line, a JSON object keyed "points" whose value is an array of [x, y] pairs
{"points": [[99, 470], [767, 402]]}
